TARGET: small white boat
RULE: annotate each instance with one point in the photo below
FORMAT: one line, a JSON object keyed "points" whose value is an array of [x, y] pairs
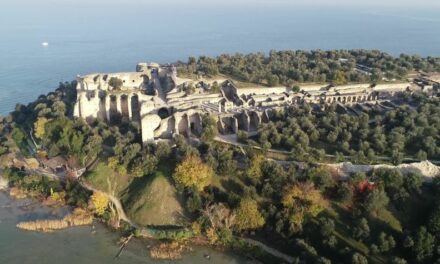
{"points": [[45, 44]]}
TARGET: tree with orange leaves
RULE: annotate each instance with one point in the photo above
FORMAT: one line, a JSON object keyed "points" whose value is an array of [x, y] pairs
{"points": [[193, 172], [302, 200]]}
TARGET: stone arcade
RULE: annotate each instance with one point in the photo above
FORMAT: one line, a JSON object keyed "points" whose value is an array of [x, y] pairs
{"points": [[165, 104]]}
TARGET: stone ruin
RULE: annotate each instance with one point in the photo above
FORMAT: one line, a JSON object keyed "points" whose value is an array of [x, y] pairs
{"points": [[165, 105]]}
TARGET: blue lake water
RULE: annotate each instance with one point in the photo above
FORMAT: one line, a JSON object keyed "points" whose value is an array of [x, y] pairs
{"points": [[104, 38], [79, 244]]}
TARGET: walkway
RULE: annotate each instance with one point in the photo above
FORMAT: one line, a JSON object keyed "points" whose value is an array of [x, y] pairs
{"points": [[113, 199], [270, 250]]}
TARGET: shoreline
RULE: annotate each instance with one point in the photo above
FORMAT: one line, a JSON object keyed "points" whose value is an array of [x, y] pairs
{"points": [[51, 225]]}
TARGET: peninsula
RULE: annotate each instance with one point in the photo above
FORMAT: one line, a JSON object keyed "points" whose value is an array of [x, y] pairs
{"points": [[292, 156]]}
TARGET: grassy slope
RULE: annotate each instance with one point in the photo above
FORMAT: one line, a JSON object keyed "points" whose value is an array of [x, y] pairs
{"points": [[148, 200], [153, 200], [107, 180]]}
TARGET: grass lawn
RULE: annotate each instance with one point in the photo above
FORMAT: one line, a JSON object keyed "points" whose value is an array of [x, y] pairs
{"points": [[148, 200], [107, 180], [153, 199]]}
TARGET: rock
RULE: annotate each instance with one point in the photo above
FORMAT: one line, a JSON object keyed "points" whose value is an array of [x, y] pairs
{"points": [[424, 168]]}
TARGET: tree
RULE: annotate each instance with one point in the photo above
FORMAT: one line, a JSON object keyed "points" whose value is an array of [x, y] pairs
{"points": [[397, 260], [344, 192], [143, 165], [163, 150], [358, 258], [412, 182], [422, 155], [434, 221], [219, 216], [18, 136], [209, 128], [255, 166], [193, 172], [326, 226], [39, 127], [115, 82], [295, 88], [376, 200], [273, 80], [386, 243], [424, 244], [99, 202], [321, 178], [339, 78], [300, 201], [248, 216], [242, 136], [361, 231]]}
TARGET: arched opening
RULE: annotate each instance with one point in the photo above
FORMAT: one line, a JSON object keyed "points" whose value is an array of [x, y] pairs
{"points": [[124, 108], [254, 121], [195, 124], [182, 125], [101, 113], [163, 113], [135, 110], [115, 117]]}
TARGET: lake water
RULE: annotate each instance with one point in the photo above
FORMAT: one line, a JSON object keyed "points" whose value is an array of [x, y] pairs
{"points": [[76, 245], [114, 37]]}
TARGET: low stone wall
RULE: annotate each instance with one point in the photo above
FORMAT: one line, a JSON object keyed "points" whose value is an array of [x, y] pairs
{"points": [[261, 90], [424, 168]]}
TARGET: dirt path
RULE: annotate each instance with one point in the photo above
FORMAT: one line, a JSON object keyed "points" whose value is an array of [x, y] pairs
{"points": [[270, 250], [114, 200]]}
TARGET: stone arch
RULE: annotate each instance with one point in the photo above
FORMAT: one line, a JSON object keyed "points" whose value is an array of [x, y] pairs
{"points": [[102, 106], [114, 115], [135, 108], [182, 124], [124, 107], [254, 121], [229, 124], [195, 124], [164, 112], [243, 121]]}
